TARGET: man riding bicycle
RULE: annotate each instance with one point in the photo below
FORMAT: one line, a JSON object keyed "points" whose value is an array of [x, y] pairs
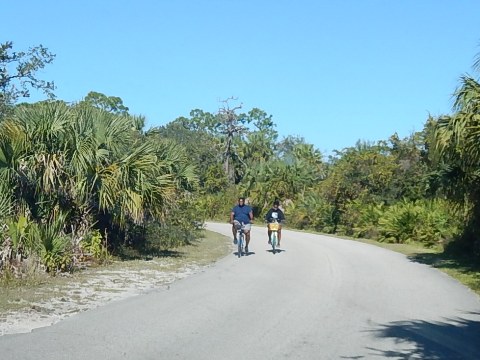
{"points": [[243, 214], [275, 214]]}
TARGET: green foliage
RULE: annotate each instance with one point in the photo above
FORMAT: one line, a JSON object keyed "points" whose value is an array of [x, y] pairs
{"points": [[180, 228], [439, 223], [93, 245], [215, 179], [161, 237], [52, 244], [363, 219], [94, 166], [411, 178], [259, 144], [431, 223], [268, 181], [311, 212], [456, 152], [398, 223], [285, 178], [365, 171], [148, 191], [201, 148], [256, 148], [217, 206], [17, 231], [227, 125], [6, 206], [14, 244], [361, 177], [112, 104], [239, 138]]}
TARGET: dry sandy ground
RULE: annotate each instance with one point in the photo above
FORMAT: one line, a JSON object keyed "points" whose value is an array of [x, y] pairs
{"points": [[107, 285]]}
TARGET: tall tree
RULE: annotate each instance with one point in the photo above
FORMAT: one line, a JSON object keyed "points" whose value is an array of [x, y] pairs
{"points": [[261, 142], [112, 104], [294, 170], [201, 147], [364, 172], [18, 71], [229, 128], [456, 140], [229, 124], [412, 175]]}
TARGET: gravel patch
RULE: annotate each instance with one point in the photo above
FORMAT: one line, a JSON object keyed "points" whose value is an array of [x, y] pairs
{"points": [[99, 288], [50, 303]]}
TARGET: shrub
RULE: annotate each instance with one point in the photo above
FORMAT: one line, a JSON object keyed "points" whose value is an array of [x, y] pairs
{"points": [[430, 222], [366, 221], [312, 212], [397, 224]]}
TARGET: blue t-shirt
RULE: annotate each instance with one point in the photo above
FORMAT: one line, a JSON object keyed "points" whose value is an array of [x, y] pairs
{"points": [[241, 213]]}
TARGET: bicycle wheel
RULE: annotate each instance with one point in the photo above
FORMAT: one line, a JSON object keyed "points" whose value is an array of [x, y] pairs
{"points": [[274, 241], [240, 244]]}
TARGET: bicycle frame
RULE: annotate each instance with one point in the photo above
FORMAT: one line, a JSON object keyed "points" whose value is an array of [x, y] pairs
{"points": [[240, 239]]}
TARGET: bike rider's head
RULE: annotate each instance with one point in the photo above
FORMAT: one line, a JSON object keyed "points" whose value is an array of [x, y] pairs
{"points": [[276, 204], [241, 201]]}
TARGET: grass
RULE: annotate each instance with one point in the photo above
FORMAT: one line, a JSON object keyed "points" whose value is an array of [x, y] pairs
{"points": [[20, 294]]}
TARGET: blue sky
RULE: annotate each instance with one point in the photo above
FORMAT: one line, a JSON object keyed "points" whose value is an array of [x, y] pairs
{"points": [[332, 72]]}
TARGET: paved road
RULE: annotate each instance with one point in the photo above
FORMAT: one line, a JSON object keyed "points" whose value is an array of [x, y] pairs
{"points": [[320, 298]]}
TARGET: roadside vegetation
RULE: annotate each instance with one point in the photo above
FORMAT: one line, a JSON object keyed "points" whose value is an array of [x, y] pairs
{"points": [[43, 296], [84, 183]]}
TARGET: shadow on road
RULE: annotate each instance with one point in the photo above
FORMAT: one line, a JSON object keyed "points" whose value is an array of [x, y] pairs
{"points": [[467, 266], [445, 260], [244, 253], [453, 339], [277, 251]]}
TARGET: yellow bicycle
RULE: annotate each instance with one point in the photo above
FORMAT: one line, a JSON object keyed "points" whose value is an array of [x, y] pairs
{"points": [[273, 227]]}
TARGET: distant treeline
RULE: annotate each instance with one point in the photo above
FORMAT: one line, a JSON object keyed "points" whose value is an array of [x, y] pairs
{"points": [[86, 180]]}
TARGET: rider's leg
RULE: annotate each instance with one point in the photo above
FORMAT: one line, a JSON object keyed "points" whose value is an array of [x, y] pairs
{"points": [[279, 235], [234, 232], [269, 234], [246, 229], [247, 239]]}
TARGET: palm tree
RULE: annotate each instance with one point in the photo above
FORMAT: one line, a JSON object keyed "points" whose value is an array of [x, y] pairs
{"points": [[456, 139], [87, 166]]}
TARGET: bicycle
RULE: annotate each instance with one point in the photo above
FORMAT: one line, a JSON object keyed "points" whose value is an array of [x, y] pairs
{"points": [[273, 227], [240, 237]]}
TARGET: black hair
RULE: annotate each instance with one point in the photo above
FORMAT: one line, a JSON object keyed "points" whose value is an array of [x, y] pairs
{"points": [[276, 202]]}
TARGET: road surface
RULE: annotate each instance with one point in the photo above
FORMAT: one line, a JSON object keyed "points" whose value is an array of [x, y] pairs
{"points": [[319, 298]]}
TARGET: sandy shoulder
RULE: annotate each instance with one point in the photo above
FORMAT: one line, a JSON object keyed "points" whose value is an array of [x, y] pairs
{"points": [[105, 286]]}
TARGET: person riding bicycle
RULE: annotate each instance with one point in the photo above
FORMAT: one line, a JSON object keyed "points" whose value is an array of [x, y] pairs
{"points": [[243, 214], [275, 214]]}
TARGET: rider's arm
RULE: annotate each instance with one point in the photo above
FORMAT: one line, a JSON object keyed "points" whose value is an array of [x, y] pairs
{"points": [[268, 216], [232, 214]]}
